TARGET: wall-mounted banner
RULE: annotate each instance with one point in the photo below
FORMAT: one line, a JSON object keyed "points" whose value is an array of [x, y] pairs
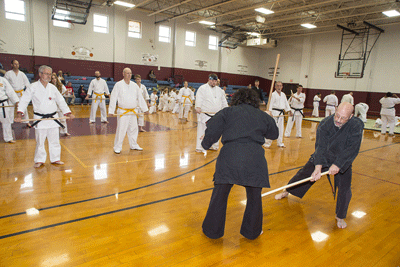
{"points": [[82, 52], [201, 64], [2, 43], [149, 59], [242, 69]]}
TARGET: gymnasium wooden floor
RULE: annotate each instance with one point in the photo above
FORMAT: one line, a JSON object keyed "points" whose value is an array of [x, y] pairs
{"points": [[146, 208]]}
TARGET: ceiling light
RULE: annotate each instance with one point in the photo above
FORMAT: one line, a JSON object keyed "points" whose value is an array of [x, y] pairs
{"points": [[264, 10], [253, 33], [309, 26], [121, 3], [206, 22], [260, 19], [391, 13]]}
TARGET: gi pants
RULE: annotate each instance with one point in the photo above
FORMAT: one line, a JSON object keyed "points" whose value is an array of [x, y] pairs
{"points": [[279, 123], [360, 112], [63, 122], [53, 139], [329, 110], [184, 111], [176, 108], [201, 130], [298, 118], [126, 124], [342, 183], [140, 117], [6, 122], [388, 119], [214, 222], [103, 111], [315, 112], [152, 108]]}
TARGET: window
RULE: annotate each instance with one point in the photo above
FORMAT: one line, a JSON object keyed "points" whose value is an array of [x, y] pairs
{"points": [[190, 39], [164, 34], [213, 42], [135, 29], [62, 24], [100, 23], [15, 9]]}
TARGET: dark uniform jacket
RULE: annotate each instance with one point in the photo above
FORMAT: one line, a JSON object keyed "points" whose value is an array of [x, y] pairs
{"points": [[339, 146], [241, 160]]}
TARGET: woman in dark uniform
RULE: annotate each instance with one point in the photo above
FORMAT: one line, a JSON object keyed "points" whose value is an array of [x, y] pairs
{"points": [[243, 128]]}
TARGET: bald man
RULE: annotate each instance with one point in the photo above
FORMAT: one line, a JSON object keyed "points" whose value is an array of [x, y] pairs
{"points": [[99, 88], [337, 145]]}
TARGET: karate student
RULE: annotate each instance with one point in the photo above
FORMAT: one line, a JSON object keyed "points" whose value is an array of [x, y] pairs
{"points": [[129, 97], [161, 102], [172, 99], [348, 98], [153, 102], [209, 100], [360, 110], [19, 82], [277, 108], [99, 88], [388, 112], [316, 100], [62, 89], [145, 94], [176, 104], [45, 98], [8, 97], [186, 98], [165, 100], [331, 103], [297, 104], [337, 144]]}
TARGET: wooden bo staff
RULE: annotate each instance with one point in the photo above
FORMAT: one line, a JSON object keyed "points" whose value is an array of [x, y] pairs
{"points": [[273, 80], [47, 119], [7, 106], [291, 185]]}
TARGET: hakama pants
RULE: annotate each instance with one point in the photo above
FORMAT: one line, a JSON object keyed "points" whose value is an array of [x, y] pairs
{"points": [[342, 182], [103, 111], [53, 140], [214, 222]]}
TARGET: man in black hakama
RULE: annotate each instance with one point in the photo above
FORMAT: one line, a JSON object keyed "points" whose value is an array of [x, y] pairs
{"points": [[337, 144], [241, 161]]}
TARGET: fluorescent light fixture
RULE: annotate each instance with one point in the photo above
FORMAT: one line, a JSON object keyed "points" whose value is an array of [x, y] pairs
{"points": [[32, 211], [319, 236], [264, 10], [260, 19], [206, 22], [122, 3], [308, 25], [65, 12], [254, 33], [358, 214], [391, 13]]}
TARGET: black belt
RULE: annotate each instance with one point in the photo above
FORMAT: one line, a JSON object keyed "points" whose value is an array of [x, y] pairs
{"points": [[299, 110], [316, 100], [386, 108], [2, 102], [47, 116], [281, 111], [209, 115], [330, 105]]}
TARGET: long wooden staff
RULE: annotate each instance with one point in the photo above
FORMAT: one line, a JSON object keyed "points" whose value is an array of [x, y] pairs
{"points": [[291, 185], [7, 106], [47, 119], [273, 80]]}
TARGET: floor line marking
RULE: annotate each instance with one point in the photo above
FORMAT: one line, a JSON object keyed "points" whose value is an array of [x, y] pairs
{"points": [[73, 155]]}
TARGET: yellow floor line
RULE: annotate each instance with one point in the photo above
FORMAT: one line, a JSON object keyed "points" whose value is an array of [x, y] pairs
{"points": [[73, 155]]}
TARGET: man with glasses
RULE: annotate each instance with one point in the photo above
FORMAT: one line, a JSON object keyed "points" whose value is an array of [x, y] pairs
{"points": [[45, 98], [337, 145]]}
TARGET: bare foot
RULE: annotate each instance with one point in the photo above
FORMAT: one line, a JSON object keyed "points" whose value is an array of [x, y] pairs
{"points": [[341, 223], [67, 134], [38, 164], [142, 130], [104, 122], [58, 162], [282, 195], [11, 141]]}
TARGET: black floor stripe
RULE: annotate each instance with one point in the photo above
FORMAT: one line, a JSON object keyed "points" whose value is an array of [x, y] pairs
{"points": [[101, 214]]}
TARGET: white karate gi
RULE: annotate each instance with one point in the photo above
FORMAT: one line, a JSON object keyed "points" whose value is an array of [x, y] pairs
{"points": [[60, 114], [161, 102], [165, 99], [315, 112], [209, 99], [153, 103], [18, 82], [297, 116], [98, 88], [8, 97], [146, 98], [186, 98], [331, 104], [360, 110], [172, 101], [278, 102], [347, 98], [129, 98], [388, 113], [45, 101]]}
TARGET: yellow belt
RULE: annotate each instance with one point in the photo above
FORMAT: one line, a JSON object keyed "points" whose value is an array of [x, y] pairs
{"points": [[19, 92], [127, 111], [98, 95], [186, 97]]}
